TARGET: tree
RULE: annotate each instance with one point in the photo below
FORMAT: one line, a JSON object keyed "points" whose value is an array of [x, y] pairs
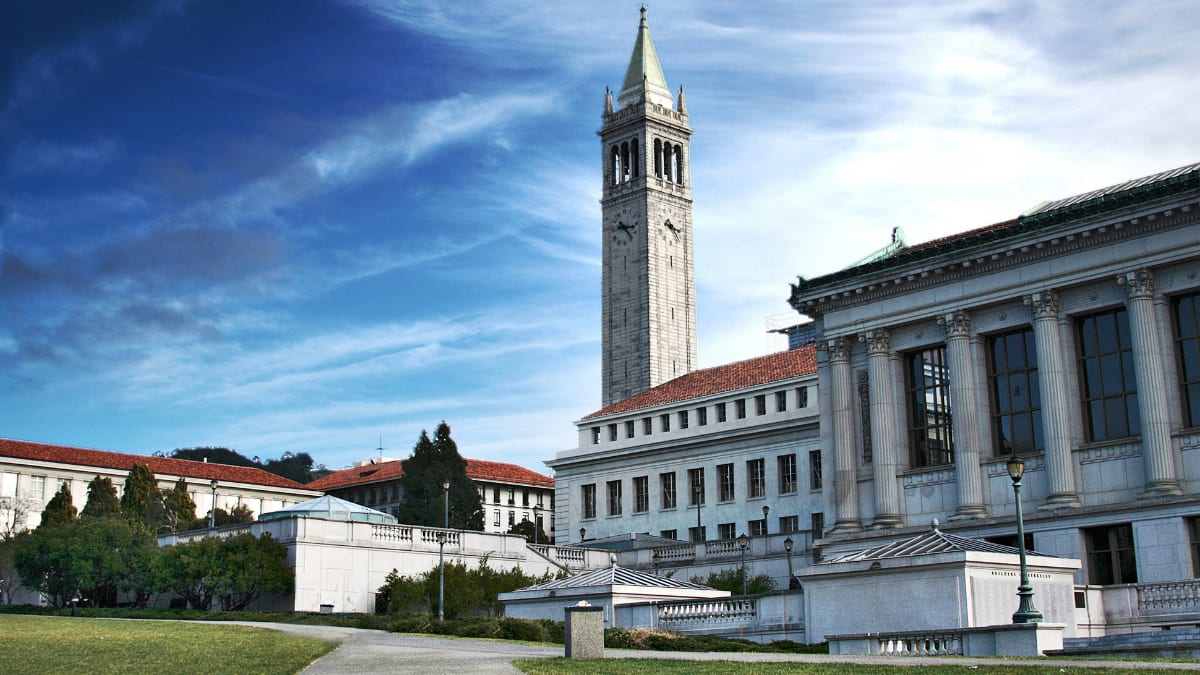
{"points": [[525, 528], [59, 510], [236, 516], [14, 512], [180, 508], [95, 557], [432, 463], [102, 499], [214, 455], [191, 570], [236, 570], [298, 467], [142, 500], [730, 579]]}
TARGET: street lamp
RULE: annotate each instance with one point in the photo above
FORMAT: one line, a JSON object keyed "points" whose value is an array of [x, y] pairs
{"points": [[1026, 612], [656, 560], [787, 546], [441, 538], [212, 512], [766, 523], [697, 491], [743, 541], [582, 534], [536, 510]]}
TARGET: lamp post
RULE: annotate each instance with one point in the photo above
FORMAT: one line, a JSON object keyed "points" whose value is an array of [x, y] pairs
{"points": [[212, 512], [743, 541], [441, 538], [582, 534], [697, 491], [787, 546], [766, 523], [1026, 612], [536, 510], [656, 560]]}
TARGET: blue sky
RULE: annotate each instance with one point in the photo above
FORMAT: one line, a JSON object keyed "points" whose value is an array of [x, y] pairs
{"points": [[301, 226]]}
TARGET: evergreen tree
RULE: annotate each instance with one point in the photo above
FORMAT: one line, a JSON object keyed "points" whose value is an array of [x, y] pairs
{"points": [[180, 507], [141, 493], [59, 510], [433, 463], [526, 528], [102, 499]]}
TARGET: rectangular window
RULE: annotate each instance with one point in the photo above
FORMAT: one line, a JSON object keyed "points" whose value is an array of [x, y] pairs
{"points": [[595, 435], [540, 497], [780, 401], [787, 473], [725, 482], [818, 524], [696, 534], [614, 497], [641, 494], [1187, 347], [1194, 534], [801, 397], [815, 480], [647, 426], [720, 413], [629, 428], [666, 484], [1109, 388], [37, 487], [588, 497], [741, 408], [702, 416], [1110, 553], [512, 496], [8, 484], [928, 388], [696, 486], [1016, 397], [758, 528], [665, 421], [512, 518], [66, 481], [612, 432], [669, 534], [789, 524], [496, 518], [756, 471], [496, 496], [727, 531], [683, 419], [760, 404]]}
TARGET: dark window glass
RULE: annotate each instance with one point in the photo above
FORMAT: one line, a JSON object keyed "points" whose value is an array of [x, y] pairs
{"points": [[756, 472], [815, 480], [780, 401], [930, 434], [641, 494], [666, 484], [1109, 389], [727, 531], [1016, 397], [1110, 552], [696, 486], [589, 501], [614, 497], [725, 482], [1187, 346], [787, 473], [720, 413], [701, 416]]}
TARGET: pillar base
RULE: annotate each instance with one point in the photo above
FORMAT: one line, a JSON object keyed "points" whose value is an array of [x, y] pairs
{"points": [[846, 527], [1063, 500], [887, 522], [971, 512], [1162, 488]]}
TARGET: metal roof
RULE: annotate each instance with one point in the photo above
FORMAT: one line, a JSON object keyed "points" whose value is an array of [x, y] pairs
{"points": [[933, 542], [1112, 189], [614, 576], [645, 68], [332, 508]]}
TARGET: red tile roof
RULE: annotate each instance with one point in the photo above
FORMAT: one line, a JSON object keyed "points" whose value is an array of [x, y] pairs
{"points": [[477, 469], [729, 377], [161, 466]]}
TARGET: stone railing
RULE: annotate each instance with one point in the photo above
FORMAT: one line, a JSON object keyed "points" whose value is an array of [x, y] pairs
{"points": [[734, 610], [722, 548], [940, 643], [1170, 597], [567, 555], [392, 532], [674, 553]]}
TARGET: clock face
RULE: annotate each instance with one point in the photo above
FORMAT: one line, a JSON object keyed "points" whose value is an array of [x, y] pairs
{"points": [[672, 226], [622, 224]]}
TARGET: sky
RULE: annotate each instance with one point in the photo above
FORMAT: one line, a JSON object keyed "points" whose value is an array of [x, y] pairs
{"points": [[324, 226]]}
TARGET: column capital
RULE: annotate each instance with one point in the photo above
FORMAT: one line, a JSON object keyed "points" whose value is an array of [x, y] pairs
{"points": [[1043, 304], [838, 348], [956, 323], [1139, 284], [877, 341]]}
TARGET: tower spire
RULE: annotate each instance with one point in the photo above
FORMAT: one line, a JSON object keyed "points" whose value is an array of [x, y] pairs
{"points": [[644, 76]]}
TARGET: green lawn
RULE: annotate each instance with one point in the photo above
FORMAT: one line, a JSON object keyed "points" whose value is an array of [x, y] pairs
{"points": [[40, 644], [673, 667]]}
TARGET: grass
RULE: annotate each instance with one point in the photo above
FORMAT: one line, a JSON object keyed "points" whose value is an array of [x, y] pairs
{"points": [[672, 667], [38, 644]]}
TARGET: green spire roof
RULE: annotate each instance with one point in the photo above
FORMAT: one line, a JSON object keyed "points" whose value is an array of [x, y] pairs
{"points": [[645, 68]]}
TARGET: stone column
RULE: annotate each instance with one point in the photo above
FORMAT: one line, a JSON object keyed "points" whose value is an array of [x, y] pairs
{"points": [[1056, 413], [884, 442], [963, 415], [846, 469], [1157, 450]]}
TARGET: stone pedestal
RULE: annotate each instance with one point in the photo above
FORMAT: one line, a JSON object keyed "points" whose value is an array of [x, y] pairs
{"points": [[584, 632]]}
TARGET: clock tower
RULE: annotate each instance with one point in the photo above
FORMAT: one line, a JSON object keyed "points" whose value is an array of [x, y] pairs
{"points": [[649, 288]]}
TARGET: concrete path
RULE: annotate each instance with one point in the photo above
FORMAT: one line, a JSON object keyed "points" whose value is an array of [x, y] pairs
{"points": [[374, 651]]}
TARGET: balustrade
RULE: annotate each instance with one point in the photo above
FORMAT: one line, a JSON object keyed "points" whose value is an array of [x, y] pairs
{"points": [[1169, 597], [933, 644], [740, 610]]}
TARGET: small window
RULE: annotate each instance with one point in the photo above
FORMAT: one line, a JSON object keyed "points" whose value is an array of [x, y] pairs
{"points": [[595, 435], [720, 413], [614, 497], [758, 528], [37, 487], [725, 489], [666, 484], [669, 534], [741, 408], [760, 404], [496, 518], [818, 524], [665, 421], [697, 534], [496, 497], [641, 494], [787, 473], [815, 480], [629, 426], [512, 518], [612, 432], [756, 470], [788, 524], [647, 426], [588, 497], [683, 419], [801, 397], [702, 416], [780, 401], [1111, 557], [727, 531]]}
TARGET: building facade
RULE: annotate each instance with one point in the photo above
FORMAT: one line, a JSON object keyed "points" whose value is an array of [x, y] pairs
{"points": [[510, 493], [31, 473], [648, 316], [1068, 336]]}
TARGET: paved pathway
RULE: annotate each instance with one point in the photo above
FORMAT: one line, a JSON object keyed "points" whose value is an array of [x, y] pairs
{"points": [[374, 651]]}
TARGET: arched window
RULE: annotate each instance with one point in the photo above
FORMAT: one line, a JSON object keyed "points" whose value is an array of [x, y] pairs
{"points": [[677, 160], [667, 162], [624, 162], [658, 158], [615, 163], [635, 158]]}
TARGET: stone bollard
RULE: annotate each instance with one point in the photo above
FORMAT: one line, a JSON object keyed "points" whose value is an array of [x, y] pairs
{"points": [[584, 631]]}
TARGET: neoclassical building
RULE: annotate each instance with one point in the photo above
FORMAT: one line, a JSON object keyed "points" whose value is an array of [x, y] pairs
{"points": [[1068, 336]]}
